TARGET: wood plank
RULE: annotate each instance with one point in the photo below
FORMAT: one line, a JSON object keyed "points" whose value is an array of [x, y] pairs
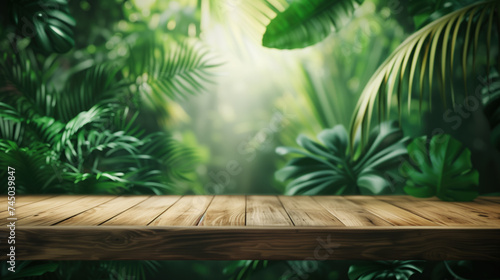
{"points": [[101, 213], [266, 211], [440, 212], [63, 212], [225, 210], [349, 213], [304, 211], [24, 200], [43, 205], [187, 211], [143, 213], [241, 243], [487, 210], [389, 212], [495, 199]]}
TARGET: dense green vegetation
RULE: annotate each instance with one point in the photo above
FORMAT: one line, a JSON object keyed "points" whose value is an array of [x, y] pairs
{"points": [[159, 97]]}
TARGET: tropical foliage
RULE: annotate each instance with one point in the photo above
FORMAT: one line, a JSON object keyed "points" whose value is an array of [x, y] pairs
{"points": [[48, 23], [428, 52], [305, 23], [491, 102], [97, 101], [330, 168], [83, 138], [401, 270], [442, 168]]}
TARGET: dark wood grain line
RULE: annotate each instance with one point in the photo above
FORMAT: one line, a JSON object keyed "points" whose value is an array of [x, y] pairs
{"points": [[187, 211], [225, 210], [349, 213], [22, 200], [123, 209], [266, 211], [390, 213], [286, 211], [441, 212], [495, 199], [144, 212], [241, 243], [40, 207], [305, 211]]}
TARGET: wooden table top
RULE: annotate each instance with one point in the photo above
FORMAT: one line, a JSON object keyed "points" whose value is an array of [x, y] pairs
{"points": [[64, 227]]}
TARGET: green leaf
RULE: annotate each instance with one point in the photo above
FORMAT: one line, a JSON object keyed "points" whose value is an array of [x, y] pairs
{"points": [[385, 270], [25, 270], [168, 71], [443, 169], [328, 167], [48, 22], [307, 22], [491, 102], [432, 45], [244, 269]]}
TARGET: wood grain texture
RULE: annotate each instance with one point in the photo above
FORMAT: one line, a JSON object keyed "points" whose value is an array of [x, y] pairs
{"points": [[225, 210], [23, 200], [253, 227], [187, 211], [61, 212], [389, 212], [143, 213], [441, 212], [266, 211], [495, 199], [304, 211], [101, 213], [271, 243], [40, 206], [349, 213]]}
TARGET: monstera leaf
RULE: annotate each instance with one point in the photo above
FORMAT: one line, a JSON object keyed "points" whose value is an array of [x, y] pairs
{"points": [[306, 22], [385, 270], [48, 23], [330, 168], [491, 102], [442, 168]]}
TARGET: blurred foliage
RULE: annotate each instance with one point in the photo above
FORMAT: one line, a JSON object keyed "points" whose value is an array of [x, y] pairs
{"points": [[28, 269], [330, 168], [386, 270], [491, 102], [432, 49], [440, 167], [48, 23], [84, 138], [113, 115], [305, 23]]}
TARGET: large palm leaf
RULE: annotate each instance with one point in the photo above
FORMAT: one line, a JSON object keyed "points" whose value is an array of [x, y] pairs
{"points": [[306, 22], [433, 46], [169, 71]]}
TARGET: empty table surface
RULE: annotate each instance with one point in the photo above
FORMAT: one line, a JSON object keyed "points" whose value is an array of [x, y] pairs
{"points": [[90, 227]]}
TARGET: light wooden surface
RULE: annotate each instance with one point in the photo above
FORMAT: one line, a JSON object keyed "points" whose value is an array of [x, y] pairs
{"points": [[252, 227]]}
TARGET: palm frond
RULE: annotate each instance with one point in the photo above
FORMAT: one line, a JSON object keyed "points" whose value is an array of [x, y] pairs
{"points": [[33, 164], [23, 83], [244, 269], [170, 71], [306, 22], [11, 130], [87, 88], [170, 155], [432, 48]]}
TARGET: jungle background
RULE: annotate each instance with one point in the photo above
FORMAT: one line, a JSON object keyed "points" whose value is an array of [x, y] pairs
{"points": [[202, 97]]}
